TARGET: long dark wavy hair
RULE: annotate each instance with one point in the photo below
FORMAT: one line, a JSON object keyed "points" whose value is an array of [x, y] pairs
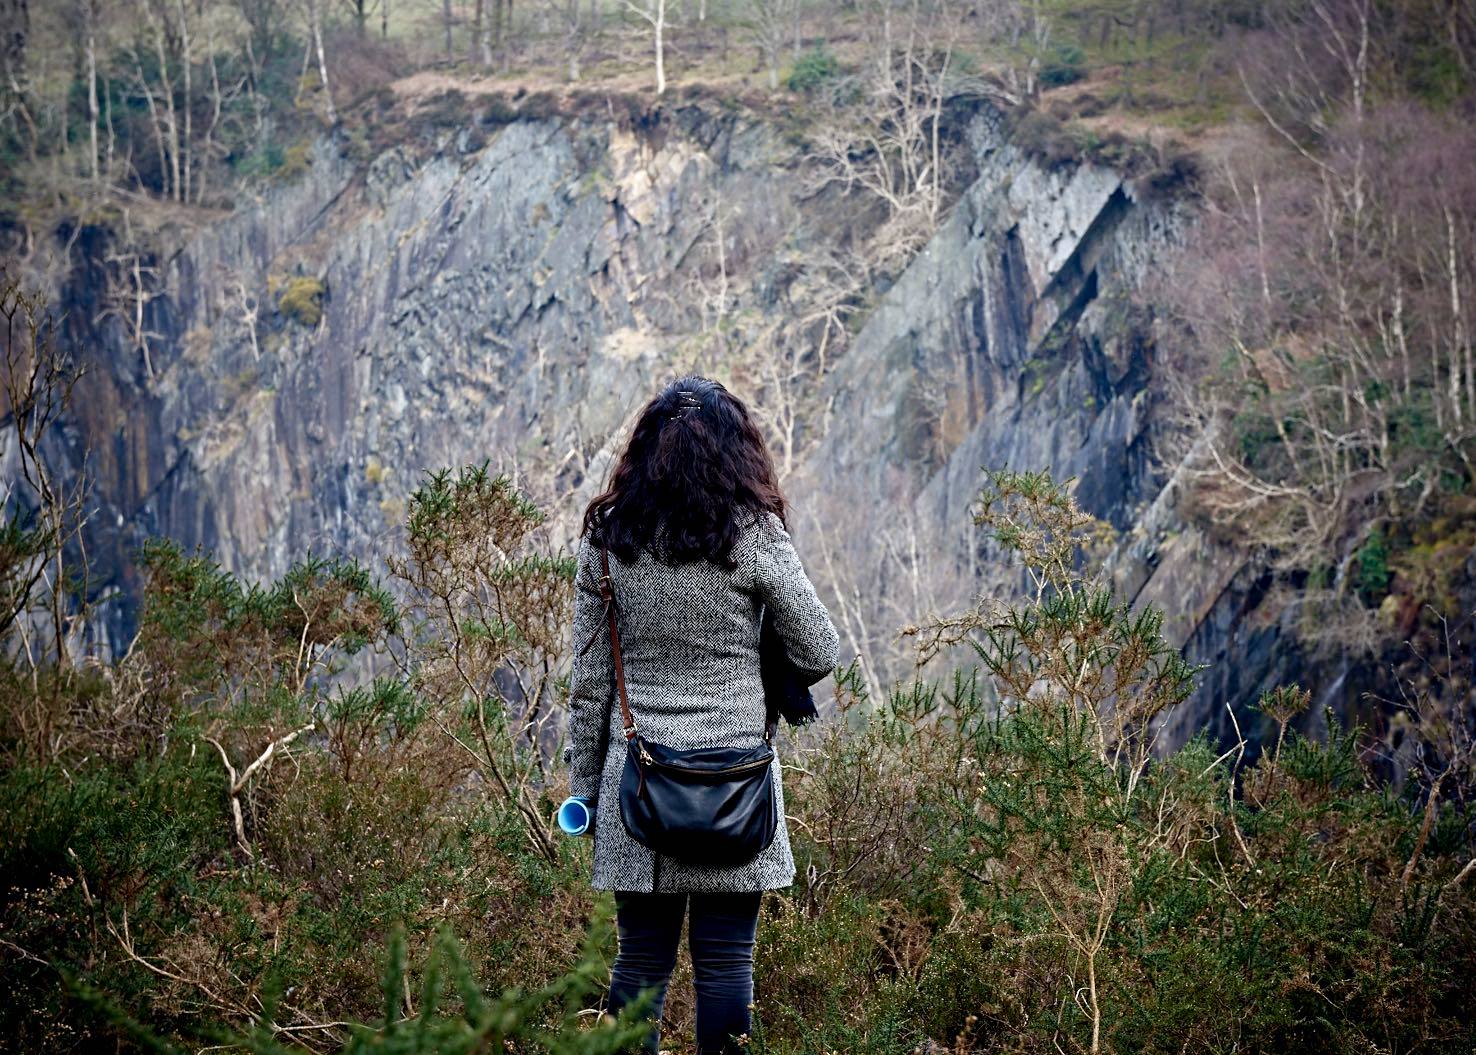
{"points": [[696, 466]]}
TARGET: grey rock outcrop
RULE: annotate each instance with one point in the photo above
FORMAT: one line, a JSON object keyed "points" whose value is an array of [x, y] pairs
{"points": [[514, 297]]}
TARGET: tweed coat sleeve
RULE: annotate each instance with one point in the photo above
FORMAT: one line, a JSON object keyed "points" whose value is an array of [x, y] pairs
{"points": [[591, 678], [810, 638]]}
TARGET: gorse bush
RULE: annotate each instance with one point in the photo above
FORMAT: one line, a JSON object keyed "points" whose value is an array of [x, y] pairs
{"points": [[315, 815], [812, 69], [1057, 903], [275, 815], [1067, 887], [1063, 64], [447, 1013], [275, 777]]}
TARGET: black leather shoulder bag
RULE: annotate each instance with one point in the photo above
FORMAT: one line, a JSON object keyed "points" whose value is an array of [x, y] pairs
{"points": [[706, 805]]}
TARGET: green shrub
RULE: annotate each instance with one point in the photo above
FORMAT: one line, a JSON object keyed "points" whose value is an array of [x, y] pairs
{"points": [[1371, 568], [266, 160], [272, 160], [1064, 64], [447, 1013], [812, 69], [993, 860]]}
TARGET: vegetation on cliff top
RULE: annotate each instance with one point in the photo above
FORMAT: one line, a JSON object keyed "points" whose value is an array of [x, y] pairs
{"points": [[109, 107]]}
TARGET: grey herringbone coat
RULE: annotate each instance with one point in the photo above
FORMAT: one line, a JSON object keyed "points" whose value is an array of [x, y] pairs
{"points": [[689, 638]]}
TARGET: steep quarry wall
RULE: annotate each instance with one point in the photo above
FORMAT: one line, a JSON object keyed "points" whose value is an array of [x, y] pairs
{"points": [[515, 294], [1021, 321], [507, 297]]}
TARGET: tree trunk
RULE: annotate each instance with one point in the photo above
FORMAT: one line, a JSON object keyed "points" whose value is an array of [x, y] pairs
{"points": [[322, 60], [112, 138], [170, 113], [446, 16], [92, 114], [217, 100], [15, 31], [660, 25], [186, 142], [155, 122]]}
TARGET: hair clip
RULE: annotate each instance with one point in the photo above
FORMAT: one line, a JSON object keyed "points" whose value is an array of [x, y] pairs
{"points": [[687, 401]]}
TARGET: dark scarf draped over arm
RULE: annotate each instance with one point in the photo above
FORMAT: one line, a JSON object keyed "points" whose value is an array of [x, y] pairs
{"points": [[786, 687]]}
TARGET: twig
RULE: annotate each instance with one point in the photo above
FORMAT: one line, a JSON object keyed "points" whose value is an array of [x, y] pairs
{"points": [[1462, 874], [1432, 806], [1234, 825], [125, 942], [24, 954], [238, 782]]}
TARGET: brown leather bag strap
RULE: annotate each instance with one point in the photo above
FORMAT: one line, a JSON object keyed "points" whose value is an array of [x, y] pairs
{"points": [[608, 593]]}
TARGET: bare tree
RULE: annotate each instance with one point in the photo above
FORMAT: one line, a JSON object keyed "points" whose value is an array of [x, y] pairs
{"points": [[653, 12], [889, 146], [1028, 23], [1338, 276], [90, 14], [781, 356], [160, 95], [264, 19], [132, 285], [15, 31], [176, 75], [577, 24], [315, 24], [359, 10], [220, 96], [769, 23], [40, 593], [481, 41]]}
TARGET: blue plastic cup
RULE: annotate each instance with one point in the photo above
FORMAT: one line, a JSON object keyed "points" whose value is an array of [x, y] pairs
{"points": [[574, 816]]}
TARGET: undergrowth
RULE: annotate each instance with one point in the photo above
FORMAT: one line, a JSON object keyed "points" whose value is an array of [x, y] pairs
{"points": [[316, 815]]}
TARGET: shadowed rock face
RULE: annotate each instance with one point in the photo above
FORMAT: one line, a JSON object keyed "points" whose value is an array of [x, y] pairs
{"points": [[517, 299]]}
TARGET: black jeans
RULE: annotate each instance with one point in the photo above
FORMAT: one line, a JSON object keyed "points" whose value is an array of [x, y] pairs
{"points": [[720, 937]]}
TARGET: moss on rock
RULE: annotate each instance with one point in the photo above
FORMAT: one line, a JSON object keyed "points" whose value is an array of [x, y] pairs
{"points": [[302, 300]]}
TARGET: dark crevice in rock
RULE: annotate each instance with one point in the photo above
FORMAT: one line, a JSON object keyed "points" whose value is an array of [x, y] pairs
{"points": [[1089, 248], [1060, 335], [1013, 299]]}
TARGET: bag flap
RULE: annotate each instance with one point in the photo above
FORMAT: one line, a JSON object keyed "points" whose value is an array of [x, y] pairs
{"points": [[706, 759]]}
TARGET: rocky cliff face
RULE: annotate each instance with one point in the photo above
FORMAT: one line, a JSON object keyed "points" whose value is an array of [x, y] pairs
{"points": [[516, 292], [506, 297], [1019, 323]]}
